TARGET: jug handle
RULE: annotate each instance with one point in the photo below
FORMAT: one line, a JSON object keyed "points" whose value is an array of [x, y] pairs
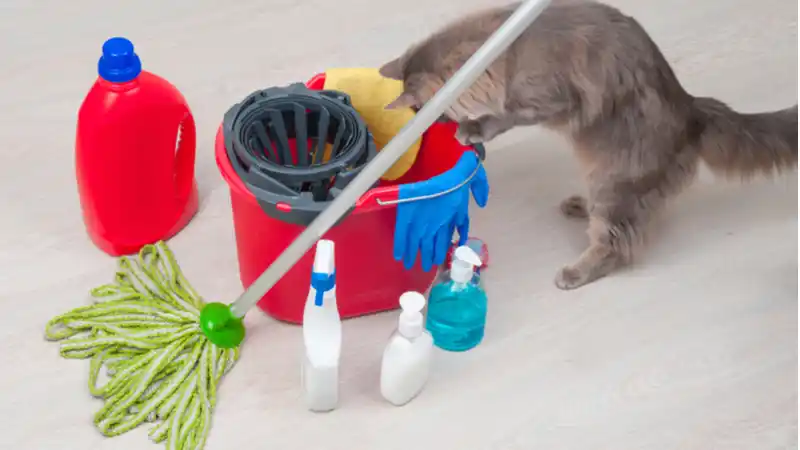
{"points": [[185, 156]]}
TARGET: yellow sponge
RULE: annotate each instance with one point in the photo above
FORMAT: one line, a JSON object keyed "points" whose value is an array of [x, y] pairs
{"points": [[370, 93]]}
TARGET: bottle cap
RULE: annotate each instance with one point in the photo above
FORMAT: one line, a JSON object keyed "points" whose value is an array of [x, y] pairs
{"points": [[323, 276], [465, 260], [410, 323], [119, 63]]}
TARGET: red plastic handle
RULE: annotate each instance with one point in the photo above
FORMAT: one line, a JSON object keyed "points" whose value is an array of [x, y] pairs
{"points": [[185, 156], [375, 198]]}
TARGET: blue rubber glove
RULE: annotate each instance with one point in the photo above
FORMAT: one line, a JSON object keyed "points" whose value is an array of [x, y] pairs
{"points": [[426, 227]]}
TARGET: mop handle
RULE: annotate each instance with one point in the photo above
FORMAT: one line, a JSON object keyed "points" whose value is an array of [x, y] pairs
{"points": [[497, 43]]}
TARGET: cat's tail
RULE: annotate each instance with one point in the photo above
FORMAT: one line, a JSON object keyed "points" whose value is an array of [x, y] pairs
{"points": [[746, 145]]}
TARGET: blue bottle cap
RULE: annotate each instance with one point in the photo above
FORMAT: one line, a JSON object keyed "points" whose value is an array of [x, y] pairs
{"points": [[119, 62]]}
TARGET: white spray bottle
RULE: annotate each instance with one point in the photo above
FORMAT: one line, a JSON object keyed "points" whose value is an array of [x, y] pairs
{"points": [[407, 357], [322, 333]]}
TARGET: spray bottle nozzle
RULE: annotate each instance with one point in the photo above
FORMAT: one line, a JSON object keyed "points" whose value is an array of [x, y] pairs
{"points": [[465, 260], [410, 324], [322, 283], [323, 275]]}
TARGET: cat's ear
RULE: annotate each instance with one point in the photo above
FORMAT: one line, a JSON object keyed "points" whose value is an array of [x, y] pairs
{"points": [[392, 70], [405, 100]]}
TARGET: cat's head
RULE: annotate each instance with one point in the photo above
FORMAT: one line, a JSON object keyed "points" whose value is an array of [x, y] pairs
{"points": [[426, 66], [420, 83]]}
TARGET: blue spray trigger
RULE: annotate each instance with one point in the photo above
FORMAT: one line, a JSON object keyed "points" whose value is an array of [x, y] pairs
{"points": [[322, 283]]}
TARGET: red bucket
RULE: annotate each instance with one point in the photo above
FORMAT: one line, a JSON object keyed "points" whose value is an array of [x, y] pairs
{"points": [[368, 279]]}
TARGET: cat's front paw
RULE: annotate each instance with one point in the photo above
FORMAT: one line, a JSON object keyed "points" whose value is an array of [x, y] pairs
{"points": [[569, 278], [470, 132]]}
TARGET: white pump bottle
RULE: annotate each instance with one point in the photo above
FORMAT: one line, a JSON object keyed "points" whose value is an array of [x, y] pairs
{"points": [[407, 357], [322, 333]]}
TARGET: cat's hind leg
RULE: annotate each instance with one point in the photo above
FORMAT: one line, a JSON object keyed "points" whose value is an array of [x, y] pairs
{"points": [[598, 260], [617, 225]]}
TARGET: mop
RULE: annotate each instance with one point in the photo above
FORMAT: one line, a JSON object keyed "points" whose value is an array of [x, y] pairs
{"points": [[165, 350]]}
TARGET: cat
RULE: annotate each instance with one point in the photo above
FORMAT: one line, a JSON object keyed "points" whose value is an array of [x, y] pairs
{"points": [[592, 73]]}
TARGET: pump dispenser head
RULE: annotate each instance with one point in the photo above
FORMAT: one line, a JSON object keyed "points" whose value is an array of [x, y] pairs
{"points": [[410, 324], [464, 262]]}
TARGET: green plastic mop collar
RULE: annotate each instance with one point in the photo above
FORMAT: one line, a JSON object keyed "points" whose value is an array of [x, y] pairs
{"points": [[220, 326]]}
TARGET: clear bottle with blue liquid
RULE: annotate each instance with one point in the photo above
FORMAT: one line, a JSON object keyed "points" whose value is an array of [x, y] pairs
{"points": [[457, 304]]}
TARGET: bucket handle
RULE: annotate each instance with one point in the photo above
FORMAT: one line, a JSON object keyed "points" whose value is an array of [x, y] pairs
{"points": [[389, 196], [398, 201]]}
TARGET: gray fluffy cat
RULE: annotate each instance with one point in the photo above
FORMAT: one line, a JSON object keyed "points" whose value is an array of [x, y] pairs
{"points": [[592, 73]]}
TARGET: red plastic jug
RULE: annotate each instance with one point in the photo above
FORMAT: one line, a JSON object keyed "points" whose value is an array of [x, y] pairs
{"points": [[134, 155]]}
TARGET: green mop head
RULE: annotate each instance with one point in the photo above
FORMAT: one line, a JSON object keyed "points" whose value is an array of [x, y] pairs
{"points": [[160, 345]]}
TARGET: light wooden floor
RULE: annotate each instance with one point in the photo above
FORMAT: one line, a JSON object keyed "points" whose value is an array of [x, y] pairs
{"points": [[693, 349]]}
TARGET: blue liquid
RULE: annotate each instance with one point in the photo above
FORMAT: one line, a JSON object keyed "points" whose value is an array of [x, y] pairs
{"points": [[456, 316]]}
